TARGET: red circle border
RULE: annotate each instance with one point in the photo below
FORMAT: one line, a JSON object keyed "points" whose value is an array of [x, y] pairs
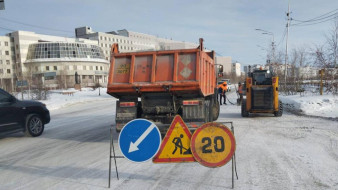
{"points": [[232, 150]]}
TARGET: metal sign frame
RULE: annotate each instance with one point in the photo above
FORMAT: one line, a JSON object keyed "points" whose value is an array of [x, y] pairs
{"points": [[112, 149]]}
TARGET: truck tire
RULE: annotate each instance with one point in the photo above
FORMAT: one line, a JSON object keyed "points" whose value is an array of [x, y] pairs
{"points": [[215, 110], [34, 125], [207, 111], [279, 113], [243, 110]]}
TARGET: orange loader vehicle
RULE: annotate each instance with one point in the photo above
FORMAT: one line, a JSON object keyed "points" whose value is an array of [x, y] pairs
{"points": [[261, 89]]}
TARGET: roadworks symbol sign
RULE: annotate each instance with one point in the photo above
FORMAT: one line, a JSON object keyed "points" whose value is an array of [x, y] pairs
{"points": [[176, 144]]}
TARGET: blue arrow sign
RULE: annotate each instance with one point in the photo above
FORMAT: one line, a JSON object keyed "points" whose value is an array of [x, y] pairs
{"points": [[139, 140]]}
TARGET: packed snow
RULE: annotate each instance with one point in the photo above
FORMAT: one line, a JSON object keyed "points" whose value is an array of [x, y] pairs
{"points": [[288, 152], [312, 105]]}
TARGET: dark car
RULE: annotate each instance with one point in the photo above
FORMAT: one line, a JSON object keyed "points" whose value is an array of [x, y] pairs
{"points": [[30, 116]]}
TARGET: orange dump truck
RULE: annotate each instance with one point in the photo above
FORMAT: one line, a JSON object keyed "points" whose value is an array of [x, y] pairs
{"points": [[157, 85]]}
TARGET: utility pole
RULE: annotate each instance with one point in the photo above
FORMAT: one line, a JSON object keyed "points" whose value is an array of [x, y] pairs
{"points": [[286, 48]]}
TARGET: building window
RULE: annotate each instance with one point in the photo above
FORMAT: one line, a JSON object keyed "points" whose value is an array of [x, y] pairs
{"points": [[8, 71], [1, 71], [7, 52], [49, 78], [97, 68], [101, 68], [100, 37], [18, 56], [6, 43], [105, 38], [90, 77], [0, 61], [47, 68], [17, 46], [55, 68], [36, 68], [8, 62], [83, 76]]}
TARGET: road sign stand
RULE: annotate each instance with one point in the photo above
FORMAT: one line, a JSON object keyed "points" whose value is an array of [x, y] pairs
{"points": [[233, 160], [114, 156]]}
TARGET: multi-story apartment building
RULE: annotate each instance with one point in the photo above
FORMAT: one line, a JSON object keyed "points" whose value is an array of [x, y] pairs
{"points": [[7, 61], [226, 63], [130, 41], [47, 60], [52, 61], [236, 69]]}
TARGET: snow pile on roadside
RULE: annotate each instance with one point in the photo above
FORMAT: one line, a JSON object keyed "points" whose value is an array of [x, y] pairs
{"points": [[313, 105], [63, 98]]}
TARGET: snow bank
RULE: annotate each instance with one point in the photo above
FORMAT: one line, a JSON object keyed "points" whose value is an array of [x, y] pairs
{"points": [[313, 105], [63, 98]]}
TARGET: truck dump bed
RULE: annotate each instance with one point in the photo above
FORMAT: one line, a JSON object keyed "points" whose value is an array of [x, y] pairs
{"points": [[175, 71]]}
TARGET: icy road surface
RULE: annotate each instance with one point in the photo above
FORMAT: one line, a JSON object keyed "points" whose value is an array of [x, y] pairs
{"points": [[290, 152]]}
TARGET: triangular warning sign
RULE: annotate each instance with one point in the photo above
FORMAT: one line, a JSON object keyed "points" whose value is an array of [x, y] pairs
{"points": [[175, 146]]}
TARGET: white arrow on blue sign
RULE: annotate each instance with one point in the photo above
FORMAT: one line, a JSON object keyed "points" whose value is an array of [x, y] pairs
{"points": [[139, 140]]}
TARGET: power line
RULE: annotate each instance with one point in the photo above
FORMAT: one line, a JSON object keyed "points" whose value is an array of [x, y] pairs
{"points": [[314, 23], [282, 39], [7, 29], [31, 25], [318, 17], [317, 20]]}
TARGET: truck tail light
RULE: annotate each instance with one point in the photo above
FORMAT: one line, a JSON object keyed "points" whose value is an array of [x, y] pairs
{"points": [[127, 104], [191, 102], [249, 81]]}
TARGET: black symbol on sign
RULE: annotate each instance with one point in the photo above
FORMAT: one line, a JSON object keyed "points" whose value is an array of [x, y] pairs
{"points": [[178, 144]]}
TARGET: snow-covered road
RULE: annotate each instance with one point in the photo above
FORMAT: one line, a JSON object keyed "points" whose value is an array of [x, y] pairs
{"points": [[289, 152]]}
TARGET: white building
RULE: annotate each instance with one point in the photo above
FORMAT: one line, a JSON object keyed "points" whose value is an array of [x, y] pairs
{"points": [[226, 62], [7, 61], [47, 60], [236, 69], [129, 41]]}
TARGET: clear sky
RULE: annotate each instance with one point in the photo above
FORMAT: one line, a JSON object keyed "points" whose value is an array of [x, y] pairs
{"points": [[228, 27]]}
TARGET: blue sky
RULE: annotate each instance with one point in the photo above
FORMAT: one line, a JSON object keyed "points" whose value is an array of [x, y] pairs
{"points": [[228, 27]]}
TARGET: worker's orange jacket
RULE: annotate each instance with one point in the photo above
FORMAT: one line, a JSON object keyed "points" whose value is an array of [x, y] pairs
{"points": [[240, 91]]}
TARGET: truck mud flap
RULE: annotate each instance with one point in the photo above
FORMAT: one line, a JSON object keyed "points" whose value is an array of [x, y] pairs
{"points": [[125, 112], [194, 110]]}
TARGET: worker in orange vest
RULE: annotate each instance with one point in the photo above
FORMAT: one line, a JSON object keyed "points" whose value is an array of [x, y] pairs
{"points": [[240, 92], [222, 89]]}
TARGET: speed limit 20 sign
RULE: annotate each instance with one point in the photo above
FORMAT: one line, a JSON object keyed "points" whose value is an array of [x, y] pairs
{"points": [[213, 145]]}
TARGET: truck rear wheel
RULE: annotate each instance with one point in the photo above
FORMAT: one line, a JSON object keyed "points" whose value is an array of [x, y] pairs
{"points": [[215, 110], [207, 108], [279, 113], [243, 110]]}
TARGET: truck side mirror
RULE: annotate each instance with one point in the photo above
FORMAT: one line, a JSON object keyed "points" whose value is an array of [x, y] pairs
{"points": [[220, 69]]}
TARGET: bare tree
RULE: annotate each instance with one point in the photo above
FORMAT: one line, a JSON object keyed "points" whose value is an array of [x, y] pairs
{"points": [[326, 58]]}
